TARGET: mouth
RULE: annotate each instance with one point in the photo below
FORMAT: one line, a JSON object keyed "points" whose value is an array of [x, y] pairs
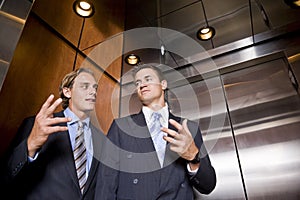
{"points": [[92, 100], [144, 91]]}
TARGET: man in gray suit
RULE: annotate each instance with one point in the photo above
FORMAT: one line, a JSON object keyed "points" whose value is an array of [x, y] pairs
{"points": [[140, 162], [41, 163]]}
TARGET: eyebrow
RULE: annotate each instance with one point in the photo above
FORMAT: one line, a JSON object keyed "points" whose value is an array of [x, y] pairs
{"points": [[88, 83], [146, 76]]}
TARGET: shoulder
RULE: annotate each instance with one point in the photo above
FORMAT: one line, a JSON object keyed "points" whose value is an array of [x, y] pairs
{"points": [[133, 118], [59, 114]]}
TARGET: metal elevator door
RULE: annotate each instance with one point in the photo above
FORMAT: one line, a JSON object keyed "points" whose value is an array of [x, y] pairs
{"points": [[250, 121]]}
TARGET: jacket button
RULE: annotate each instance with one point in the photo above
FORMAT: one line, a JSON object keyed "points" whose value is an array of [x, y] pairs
{"points": [[135, 181], [129, 156], [182, 185]]}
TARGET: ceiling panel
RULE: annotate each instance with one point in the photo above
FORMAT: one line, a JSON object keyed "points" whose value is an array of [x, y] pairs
{"points": [[234, 20]]}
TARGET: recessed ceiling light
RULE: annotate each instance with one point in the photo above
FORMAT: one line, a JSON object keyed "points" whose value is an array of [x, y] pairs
{"points": [[206, 33], [83, 8], [132, 59]]}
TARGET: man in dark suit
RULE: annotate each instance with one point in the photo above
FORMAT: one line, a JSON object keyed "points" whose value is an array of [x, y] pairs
{"points": [[41, 162], [138, 164]]}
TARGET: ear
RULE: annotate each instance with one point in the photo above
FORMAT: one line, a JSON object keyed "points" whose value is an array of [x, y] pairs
{"points": [[67, 92], [164, 84]]}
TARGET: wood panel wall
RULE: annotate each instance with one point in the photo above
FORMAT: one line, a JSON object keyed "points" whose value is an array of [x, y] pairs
{"points": [[45, 53]]}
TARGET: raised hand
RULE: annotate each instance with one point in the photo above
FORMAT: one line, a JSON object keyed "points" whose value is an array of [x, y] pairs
{"points": [[182, 141], [44, 125]]}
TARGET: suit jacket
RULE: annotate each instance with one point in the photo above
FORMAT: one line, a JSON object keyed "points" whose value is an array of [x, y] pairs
{"points": [[131, 168], [52, 175]]}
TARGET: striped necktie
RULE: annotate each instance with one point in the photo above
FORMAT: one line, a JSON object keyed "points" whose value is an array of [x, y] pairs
{"points": [[157, 137], [80, 156]]}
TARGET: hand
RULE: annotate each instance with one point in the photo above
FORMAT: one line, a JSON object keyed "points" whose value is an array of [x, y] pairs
{"points": [[181, 142], [43, 125]]}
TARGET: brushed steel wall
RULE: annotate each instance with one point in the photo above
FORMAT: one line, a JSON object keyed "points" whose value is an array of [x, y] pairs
{"points": [[250, 119], [13, 15]]}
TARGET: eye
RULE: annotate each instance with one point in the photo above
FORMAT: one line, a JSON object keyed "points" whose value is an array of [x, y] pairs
{"points": [[137, 83], [85, 86]]}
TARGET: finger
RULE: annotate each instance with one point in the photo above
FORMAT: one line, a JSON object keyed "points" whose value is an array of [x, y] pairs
{"points": [[185, 127], [176, 124], [55, 129], [53, 107], [47, 103], [171, 140], [170, 132], [57, 120]]}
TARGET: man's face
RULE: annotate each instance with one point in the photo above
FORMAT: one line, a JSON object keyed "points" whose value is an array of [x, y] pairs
{"points": [[83, 94], [150, 89]]}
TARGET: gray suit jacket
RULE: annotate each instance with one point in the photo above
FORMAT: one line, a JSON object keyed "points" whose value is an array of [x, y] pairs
{"points": [[131, 168], [53, 174]]}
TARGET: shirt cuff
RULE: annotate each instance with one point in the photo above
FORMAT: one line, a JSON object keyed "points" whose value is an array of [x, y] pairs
{"points": [[191, 172], [34, 158]]}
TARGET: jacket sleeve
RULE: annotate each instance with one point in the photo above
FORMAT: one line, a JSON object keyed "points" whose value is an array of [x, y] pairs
{"points": [[205, 178], [108, 173], [15, 161]]}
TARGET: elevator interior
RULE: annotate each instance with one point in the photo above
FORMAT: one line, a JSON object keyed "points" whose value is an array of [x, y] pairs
{"points": [[248, 109]]}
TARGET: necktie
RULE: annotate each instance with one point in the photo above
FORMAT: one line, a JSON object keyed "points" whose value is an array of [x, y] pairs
{"points": [[157, 136], [80, 156]]}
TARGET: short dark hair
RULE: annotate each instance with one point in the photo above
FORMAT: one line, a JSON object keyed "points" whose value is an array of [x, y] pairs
{"points": [[68, 82], [149, 66]]}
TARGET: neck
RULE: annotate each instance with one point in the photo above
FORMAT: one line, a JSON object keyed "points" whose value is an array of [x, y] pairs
{"points": [[156, 106], [80, 114]]}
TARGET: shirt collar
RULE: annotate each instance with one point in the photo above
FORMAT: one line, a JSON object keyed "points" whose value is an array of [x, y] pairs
{"points": [[164, 111], [75, 119]]}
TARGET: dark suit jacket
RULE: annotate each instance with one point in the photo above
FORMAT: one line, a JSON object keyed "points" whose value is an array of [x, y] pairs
{"points": [[132, 171], [53, 174]]}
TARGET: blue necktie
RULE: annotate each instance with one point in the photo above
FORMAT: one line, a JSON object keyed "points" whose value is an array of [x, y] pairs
{"points": [[157, 137]]}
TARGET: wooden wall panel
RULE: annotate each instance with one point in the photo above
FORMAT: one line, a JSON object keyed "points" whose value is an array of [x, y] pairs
{"points": [[107, 22], [107, 105], [41, 60], [46, 53], [60, 16]]}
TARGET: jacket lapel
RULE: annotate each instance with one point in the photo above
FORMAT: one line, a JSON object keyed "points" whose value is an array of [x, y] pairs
{"points": [[97, 138]]}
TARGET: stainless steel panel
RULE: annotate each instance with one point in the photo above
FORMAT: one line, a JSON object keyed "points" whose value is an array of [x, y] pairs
{"points": [[265, 113], [209, 109], [13, 14]]}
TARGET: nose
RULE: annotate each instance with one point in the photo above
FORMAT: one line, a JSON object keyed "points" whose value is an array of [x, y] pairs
{"points": [[93, 91], [143, 84]]}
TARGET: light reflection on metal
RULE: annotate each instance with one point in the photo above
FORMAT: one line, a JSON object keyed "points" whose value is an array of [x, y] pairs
{"points": [[12, 17], [162, 50], [293, 3], [294, 58]]}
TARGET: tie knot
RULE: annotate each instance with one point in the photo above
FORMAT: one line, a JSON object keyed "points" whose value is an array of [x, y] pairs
{"points": [[81, 124], [156, 116]]}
